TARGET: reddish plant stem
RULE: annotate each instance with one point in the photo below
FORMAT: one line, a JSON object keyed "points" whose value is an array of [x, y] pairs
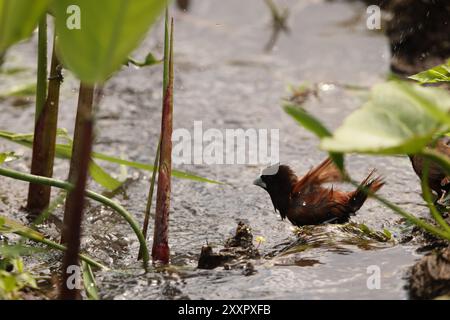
{"points": [[160, 250], [78, 174], [45, 137]]}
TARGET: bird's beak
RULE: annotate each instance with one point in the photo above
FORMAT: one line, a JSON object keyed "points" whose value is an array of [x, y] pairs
{"points": [[260, 183]]}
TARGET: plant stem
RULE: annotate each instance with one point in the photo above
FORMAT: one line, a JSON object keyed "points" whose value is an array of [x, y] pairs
{"points": [[78, 175], [157, 156], [90, 194], [41, 81], [160, 250], [39, 196], [150, 196], [44, 133], [60, 247]]}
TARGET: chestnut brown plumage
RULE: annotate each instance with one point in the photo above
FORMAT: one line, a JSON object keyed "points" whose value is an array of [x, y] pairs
{"points": [[304, 201], [438, 181]]}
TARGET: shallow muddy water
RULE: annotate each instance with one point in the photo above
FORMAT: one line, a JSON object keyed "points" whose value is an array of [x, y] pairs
{"points": [[224, 78]]}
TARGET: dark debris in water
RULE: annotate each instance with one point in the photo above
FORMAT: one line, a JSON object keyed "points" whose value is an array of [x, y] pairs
{"points": [[430, 277], [423, 239], [235, 253]]}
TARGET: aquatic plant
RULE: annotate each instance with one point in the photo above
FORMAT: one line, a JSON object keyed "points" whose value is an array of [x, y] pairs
{"points": [[46, 118], [92, 55], [160, 250]]}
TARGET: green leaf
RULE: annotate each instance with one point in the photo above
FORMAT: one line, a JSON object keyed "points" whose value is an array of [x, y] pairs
{"points": [[432, 103], [89, 282], [387, 233], [150, 60], [102, 177], [65, 151], [306, 120], [20, 91], [18, 19], [315, 126], [12, 226], [439, 73], [17, 250], [109, 31], [7, 156], [149, 167], [399, 118]]}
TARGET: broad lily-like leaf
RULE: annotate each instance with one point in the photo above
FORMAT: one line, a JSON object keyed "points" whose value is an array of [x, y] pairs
{"points": [[18, 19], [437, 74], [96, 37], [399, 118]]}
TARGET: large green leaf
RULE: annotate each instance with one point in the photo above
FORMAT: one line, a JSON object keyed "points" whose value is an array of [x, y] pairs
{"points": [[109, 31], [18, 19], [398, 118], [439, 73]]}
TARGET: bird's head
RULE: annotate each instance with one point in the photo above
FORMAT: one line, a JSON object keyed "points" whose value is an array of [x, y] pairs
{"points": [[276, 177], [278, 181]]}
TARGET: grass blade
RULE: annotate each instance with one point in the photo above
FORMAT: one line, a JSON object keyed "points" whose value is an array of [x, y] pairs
{"points": [[64, 151], [150, 197], [90, 285], [10, 226]]}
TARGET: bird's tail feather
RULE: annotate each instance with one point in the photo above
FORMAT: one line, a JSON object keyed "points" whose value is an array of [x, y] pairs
{"points": [[324, 172], [367, 186]]}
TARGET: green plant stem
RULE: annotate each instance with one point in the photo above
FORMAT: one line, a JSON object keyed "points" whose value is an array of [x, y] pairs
{"points": [[60, 247], [166, 51], [90, 194], [150, 196], [90, 286], [41, 84], [428, 198], [419, 222], [39, 195]]}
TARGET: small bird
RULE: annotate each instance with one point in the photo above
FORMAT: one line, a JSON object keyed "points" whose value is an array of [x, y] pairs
{"points": [[438, 181], [304, 201]]}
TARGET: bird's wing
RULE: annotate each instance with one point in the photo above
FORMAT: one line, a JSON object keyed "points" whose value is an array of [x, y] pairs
{"points": [[324, 172], [324, 204]]}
